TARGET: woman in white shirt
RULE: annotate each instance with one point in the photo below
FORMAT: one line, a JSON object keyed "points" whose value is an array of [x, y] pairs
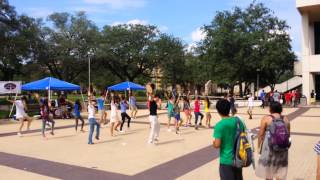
{"points": [[92, 120], [21, 115], [114, 116]]}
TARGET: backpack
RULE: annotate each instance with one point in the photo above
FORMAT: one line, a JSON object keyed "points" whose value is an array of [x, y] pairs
{"points": [[242, 152], [279, 139]]}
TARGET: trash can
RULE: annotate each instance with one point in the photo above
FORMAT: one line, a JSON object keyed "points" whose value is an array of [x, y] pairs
{"points": [[303, 101]]}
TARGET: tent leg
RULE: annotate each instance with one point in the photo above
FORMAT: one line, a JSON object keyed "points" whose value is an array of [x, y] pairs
{"points": [[49, 95]]}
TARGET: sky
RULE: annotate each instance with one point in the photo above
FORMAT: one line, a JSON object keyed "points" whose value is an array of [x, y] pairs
{"points": [[181, 18]]}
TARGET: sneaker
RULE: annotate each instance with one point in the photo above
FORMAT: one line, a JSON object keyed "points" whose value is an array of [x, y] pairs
{"points": [[196, 128], [177, 132], [122, 131], [90, 143], [97, 138], [150, 142], [52, 133], [156, 139], [19, 134]]}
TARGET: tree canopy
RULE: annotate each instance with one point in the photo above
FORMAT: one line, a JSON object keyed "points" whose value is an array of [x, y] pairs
{"points": [[243, 42], [239, 44]]}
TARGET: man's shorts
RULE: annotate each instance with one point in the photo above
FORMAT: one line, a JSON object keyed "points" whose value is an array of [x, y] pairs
{"points": [[177, 117], [170, 114]]}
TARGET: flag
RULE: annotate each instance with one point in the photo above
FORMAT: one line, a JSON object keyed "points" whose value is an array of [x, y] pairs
{"points": [[10, 87]]}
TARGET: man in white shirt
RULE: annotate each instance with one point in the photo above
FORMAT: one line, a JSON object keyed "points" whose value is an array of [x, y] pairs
{"points": [[250, 105], [21, 115]]}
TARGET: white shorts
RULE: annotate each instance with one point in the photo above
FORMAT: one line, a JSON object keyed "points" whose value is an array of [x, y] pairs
{"points": [[114, 119]]}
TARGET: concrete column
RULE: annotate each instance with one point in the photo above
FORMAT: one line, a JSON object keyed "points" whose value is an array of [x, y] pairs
{"points": [[307, 79], [305, 35]]}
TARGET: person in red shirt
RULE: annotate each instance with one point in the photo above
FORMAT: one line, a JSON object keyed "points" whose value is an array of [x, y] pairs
{"points": [[288, 98], [197, 113]]}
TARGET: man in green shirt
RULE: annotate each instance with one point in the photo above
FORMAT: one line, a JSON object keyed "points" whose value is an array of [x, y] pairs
{"points": [[224, 138]]}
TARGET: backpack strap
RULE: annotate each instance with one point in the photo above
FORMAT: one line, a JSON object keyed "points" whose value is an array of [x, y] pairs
{"points": [[272, 117], [238, 124]]}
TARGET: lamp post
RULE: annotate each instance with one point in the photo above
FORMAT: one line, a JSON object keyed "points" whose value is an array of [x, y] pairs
{"points": [[258, 76], [90, 53]]}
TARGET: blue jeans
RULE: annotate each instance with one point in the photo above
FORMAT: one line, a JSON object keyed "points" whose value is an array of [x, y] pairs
{"points": [[197, 114], [92, 123]]}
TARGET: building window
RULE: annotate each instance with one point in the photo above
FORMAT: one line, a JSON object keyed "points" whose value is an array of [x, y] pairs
{"points": [[317, 37]]}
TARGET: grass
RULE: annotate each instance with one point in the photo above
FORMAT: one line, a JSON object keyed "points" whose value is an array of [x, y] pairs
{"points": [[4, 114]]}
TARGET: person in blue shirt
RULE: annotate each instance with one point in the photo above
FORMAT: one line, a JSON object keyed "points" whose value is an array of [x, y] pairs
{"points": [[262, 97], [101, 108], [123, 107], [77, 113], [133, 105]]}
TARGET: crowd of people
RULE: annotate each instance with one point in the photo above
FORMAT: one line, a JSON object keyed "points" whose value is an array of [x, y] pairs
{"points": [[290, 98], [273, 137]]}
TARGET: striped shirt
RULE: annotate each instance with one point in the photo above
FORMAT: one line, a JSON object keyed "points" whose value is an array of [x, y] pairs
{"points": [[317, 148]]}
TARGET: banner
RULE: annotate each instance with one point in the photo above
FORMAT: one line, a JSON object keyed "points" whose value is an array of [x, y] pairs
{"points": [[10, 87]]}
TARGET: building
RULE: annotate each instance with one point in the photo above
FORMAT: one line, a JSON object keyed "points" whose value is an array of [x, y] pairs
{"points": [[310, 52]]}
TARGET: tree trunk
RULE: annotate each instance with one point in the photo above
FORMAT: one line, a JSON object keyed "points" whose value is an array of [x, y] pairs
{"points": [[240, 89], [231, 89]]}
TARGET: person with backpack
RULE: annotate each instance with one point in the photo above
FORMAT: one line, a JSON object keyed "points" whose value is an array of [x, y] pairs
{"points": [[274, 143], [224, 135], [317, 149]]}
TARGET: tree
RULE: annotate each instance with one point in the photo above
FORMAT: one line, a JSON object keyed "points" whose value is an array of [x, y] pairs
{"points": [[17, 37], [171, 57], [127, 50], [64, 49], [242, 41]]}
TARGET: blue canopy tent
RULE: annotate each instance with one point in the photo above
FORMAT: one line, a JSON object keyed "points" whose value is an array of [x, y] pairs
{"points": [[49, 84], [126, 86]]}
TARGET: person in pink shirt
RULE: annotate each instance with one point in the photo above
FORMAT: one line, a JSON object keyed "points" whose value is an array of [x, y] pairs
{"points": [[197, 113]]}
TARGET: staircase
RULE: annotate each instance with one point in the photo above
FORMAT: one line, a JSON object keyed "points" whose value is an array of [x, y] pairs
{"points": [[286, 85]]}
